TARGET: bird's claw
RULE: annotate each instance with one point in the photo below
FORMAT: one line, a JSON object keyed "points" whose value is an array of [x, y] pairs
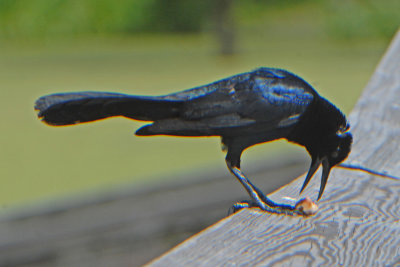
{"points": [[239, 206]]}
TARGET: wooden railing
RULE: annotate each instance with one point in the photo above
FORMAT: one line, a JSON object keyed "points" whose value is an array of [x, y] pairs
{"points": [[358, 223]]}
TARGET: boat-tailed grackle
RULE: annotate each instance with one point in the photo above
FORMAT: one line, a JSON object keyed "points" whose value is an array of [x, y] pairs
{"points": [[244, 110]]}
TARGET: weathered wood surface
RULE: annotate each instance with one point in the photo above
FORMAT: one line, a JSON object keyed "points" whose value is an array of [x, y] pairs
{"points": [[129, 227], [358, 223]]}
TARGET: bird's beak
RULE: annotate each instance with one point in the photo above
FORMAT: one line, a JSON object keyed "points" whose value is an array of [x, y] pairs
{"points": [[315, 162], [326, 168]]}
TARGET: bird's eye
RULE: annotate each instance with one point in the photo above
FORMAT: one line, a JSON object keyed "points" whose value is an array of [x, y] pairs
{"points": [[344, 129]]}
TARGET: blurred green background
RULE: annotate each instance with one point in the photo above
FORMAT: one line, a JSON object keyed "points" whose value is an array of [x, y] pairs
{"points": [[156, 47]]}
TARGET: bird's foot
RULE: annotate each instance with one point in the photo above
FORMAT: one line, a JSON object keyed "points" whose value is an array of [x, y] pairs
{"points": [[239, 206], [304, 207]]}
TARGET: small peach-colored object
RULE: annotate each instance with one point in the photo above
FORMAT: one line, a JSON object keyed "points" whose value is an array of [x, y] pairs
{"points": [[307, 206]]}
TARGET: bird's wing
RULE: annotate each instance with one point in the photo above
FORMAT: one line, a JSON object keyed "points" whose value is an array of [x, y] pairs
{"points": [[268, 101], [260, 101]]}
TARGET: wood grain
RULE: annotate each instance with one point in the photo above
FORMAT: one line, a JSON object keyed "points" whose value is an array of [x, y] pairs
{"points": [[358, 221]]}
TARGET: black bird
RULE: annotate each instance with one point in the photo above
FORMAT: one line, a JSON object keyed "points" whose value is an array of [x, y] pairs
{"points": [[244, 110]]}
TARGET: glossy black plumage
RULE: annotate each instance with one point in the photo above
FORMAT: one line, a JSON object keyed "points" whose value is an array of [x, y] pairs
{"points": [[246, 109]]}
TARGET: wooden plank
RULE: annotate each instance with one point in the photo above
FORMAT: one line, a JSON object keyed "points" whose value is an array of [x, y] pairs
{"points": [[358, 223]]}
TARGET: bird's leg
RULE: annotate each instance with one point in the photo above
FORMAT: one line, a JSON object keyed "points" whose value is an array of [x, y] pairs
{"points": [[258, 198]]}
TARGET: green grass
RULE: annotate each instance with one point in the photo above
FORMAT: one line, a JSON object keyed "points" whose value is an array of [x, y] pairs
{"points": [[40, 162]]}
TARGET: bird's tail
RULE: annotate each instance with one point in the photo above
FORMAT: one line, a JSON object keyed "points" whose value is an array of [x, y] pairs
{"points": [[72, 108]]}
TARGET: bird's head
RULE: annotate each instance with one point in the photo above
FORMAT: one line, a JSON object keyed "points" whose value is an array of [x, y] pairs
{"points": [[335, 148]]}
